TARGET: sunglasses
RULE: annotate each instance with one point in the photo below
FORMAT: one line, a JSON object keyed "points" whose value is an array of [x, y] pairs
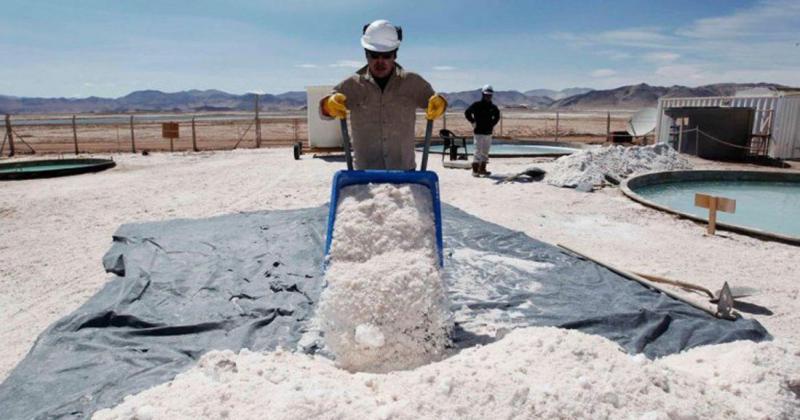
{"points": [[384, 55]]}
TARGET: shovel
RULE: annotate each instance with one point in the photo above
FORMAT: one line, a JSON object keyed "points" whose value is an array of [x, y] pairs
{"points": [[724, 298], [350, 176], [735, 292]]}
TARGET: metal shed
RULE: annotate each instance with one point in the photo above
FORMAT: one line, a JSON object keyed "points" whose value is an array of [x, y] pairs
{"points": [[776, 119]]}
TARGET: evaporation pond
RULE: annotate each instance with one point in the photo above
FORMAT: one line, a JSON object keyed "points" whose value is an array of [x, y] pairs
{"points": [[513, 149], [770, 206], [41, 168]]}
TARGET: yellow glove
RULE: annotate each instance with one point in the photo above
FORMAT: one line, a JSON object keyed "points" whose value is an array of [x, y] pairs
{"points": [[436, 107], [335, 106]]}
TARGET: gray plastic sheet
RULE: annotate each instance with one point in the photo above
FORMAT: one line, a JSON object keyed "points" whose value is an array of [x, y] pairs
{"points": [[251, 280]]}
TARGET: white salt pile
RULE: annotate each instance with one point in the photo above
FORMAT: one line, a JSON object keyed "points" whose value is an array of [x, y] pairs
{"points": [[590, 167], [384, 306], [531, 373]]}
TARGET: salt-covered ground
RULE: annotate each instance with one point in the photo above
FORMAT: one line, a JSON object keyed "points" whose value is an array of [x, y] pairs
{"points": [[54, 232]]}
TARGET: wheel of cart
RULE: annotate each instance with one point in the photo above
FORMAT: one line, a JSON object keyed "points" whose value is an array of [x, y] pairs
{"points": [[298, 150]]}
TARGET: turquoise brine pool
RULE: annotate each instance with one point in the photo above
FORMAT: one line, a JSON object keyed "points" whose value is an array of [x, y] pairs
{"points": [[511, 150], [40, 168], [769, 206], [47, 168]]}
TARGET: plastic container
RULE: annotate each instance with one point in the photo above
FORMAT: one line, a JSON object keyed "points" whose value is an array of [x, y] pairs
{"points": [[321, 133], [427, 178]]}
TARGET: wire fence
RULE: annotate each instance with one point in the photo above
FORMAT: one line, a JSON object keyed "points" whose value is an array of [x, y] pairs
{"points": [[226, 131]]}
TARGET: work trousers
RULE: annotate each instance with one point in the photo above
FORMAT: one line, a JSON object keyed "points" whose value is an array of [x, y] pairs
{"points": [[482, 144]]}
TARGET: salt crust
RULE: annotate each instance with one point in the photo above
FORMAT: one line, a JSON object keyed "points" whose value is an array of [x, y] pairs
{"points": [[384, 306], [82, 212], [590, 166], [538, 372]]}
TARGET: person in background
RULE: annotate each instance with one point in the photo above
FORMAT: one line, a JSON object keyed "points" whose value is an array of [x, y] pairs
{"points": [[382, 98], [483, 115]]}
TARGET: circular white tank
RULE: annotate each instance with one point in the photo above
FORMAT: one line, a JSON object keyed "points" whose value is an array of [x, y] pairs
{"points": [[321, 133]]}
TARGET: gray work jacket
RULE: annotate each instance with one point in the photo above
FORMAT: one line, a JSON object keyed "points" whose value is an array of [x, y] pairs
{"points": [[382, 122]]}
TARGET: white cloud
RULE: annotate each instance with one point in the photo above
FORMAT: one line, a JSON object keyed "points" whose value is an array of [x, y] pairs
{"points": [[661, 57], [630, 37], [635, 37], [614, 54], [768, 18], [307, 66], [347, 63], [603, 73], [443, 68], [757, 43], [683, 73]]}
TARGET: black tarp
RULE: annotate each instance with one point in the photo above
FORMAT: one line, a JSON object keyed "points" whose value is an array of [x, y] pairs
{"points": [[251, 280]]}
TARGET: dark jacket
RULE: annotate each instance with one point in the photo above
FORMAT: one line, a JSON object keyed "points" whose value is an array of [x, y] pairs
{"points": [[484, 114]]}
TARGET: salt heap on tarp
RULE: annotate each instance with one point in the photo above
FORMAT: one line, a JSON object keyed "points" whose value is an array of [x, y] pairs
{"points": [[590, 167], [384, 306], [530, 373]]}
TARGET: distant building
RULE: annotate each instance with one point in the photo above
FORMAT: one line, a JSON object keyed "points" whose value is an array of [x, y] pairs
{"points": [[758, 121]]}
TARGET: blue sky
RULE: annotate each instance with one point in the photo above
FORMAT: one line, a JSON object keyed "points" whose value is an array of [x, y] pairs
{"points": [[109, 48]]}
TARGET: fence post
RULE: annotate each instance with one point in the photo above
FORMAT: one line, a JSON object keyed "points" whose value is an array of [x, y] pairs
{"points": [[75, 135], [133, 140], [557, 119], [194, 137], [258, 125], [444, 120], [608, 126], [10, 134]]}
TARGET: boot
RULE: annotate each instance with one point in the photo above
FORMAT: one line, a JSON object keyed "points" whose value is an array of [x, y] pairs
{"points": [[482, 170], [475, 168]]}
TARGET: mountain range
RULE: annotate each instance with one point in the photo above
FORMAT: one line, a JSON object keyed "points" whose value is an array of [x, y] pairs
{"points": [[625, 97]]}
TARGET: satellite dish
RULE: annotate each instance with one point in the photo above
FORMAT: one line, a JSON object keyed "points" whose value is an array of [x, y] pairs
{"points": [[643, 122]]}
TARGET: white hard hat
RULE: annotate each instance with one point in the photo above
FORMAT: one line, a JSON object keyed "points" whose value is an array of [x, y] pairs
{"points": [[381, 36], [487, 90]]}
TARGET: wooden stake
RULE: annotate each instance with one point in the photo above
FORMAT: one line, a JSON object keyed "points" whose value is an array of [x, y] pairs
{"points": [[10, 135], [608, 127], [75, 135], [133, 141], [712, 217], [194, 137], [714, 204]]}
